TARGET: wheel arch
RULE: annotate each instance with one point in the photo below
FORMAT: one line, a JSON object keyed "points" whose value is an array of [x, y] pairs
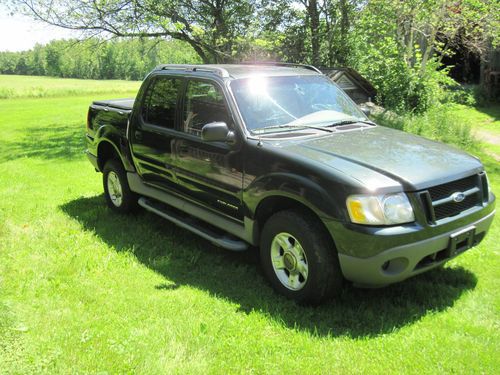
{"points": [[107, 150], [274, 203]]}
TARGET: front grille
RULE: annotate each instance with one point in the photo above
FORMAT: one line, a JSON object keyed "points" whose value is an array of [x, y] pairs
{"points": [[438, 204], [445, 190], [453, 208]]}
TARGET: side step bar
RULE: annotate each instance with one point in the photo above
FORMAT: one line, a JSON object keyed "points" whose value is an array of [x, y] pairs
{"points": [[195, 226]]}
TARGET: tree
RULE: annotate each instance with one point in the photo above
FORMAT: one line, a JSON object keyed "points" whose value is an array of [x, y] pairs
{"points": [[400, 45], [211, 27], [311, 31], [313, 20]]}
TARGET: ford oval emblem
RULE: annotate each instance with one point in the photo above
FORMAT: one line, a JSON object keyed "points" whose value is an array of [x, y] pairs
{"points": [[458, 197]]}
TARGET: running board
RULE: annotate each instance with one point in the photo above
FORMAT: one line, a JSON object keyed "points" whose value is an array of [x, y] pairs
{"points": [[245, 230], [193, 225]]}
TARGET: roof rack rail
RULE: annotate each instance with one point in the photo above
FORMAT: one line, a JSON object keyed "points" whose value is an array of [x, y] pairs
{"points": [[277, 63], [195, 68]]}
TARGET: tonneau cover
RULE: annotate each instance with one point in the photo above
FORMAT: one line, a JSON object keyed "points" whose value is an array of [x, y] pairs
{"points": [[124, 104]]}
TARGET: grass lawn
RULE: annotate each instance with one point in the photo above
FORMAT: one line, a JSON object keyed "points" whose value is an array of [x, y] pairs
{"points": [[480, 118], [12, 86], [85, 290], [485, 123]]}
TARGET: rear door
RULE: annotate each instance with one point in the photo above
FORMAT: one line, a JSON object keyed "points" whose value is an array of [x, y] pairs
{"points": [[208, 172], [153, 131]]}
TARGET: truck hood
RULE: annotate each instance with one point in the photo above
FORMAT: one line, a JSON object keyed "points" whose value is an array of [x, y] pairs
{"points": [[376, 155]]}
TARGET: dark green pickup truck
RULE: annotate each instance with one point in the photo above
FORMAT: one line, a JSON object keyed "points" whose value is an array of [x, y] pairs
{"points": [[277, 156]]}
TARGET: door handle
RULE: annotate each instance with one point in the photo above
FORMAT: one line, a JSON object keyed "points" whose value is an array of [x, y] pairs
{"points": [[138, 135]]}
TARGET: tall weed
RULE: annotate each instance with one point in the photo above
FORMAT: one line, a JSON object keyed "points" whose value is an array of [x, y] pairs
{"points": [[439, 123]]}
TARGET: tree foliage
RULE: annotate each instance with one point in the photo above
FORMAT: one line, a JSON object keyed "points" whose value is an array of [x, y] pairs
{"points": [[210, 27], [398, 45], [95, 59]]}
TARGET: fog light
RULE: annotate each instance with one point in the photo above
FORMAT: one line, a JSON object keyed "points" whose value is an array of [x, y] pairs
{"points": [[395, 266]]}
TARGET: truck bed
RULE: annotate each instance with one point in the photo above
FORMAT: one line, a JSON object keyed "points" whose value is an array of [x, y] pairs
{"points": [[112, 112]]}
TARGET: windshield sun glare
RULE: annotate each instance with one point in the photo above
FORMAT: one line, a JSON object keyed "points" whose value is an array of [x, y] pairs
{"points": [[268, 103]]}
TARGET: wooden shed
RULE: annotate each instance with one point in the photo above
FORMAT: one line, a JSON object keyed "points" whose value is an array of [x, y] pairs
{"points": [[490, 73], [354, 84]]}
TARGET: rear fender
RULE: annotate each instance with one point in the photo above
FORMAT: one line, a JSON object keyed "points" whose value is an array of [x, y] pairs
{"points": [[118, 141]]}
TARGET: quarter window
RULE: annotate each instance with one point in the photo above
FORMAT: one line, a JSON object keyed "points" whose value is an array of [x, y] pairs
{"points": [[204, 104], [160, 102]]}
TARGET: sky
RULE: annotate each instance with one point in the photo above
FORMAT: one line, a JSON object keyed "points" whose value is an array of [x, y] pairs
{"points": [[19, 33]]}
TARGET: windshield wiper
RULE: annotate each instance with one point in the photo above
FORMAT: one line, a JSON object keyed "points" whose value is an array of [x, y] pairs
{"points": [[348, 122], [281, 126]]}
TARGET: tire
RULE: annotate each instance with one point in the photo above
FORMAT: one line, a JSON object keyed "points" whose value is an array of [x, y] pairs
{"points": [[118, 195], [306, 266]]}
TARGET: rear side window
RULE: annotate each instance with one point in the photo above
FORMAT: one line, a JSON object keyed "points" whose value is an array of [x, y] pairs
{"points": [[160, 102], [204, 104]]}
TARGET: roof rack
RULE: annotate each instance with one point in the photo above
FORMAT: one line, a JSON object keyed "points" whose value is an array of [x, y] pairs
{"points": [[277, 63], [195, 68]]}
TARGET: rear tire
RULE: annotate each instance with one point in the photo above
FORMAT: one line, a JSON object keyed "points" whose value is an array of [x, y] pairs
{"points": [[299, 257], [118, 195]]}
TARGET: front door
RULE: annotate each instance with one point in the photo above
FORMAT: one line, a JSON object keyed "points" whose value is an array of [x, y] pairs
{"points": [[208, 172]]}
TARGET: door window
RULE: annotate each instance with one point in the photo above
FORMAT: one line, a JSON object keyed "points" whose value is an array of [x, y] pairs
{"points": [[160, 102], [204, 104]]}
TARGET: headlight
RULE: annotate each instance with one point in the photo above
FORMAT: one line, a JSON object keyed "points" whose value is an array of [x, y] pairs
{"points": [[385, 209]]}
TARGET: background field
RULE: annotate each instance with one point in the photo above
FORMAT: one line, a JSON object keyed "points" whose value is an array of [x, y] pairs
{"points": [[12, 86], [85, 290]]}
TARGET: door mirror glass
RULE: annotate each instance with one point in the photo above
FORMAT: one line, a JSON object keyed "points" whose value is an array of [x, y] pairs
{"points": [[215, 132]]}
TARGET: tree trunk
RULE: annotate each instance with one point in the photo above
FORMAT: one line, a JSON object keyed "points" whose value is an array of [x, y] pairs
{"points": [[313, 13], [344, 29]]}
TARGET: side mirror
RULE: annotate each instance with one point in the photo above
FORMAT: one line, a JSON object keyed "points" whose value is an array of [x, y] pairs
{"points": [[217, 132], [365, 110]]}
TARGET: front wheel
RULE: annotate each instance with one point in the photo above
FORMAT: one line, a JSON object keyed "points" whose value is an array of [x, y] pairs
{"points": [[118, 195], [299, 257]]}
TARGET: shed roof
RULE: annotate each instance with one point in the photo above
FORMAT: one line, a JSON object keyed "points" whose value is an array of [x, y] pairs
{"points": [[336, 74]]}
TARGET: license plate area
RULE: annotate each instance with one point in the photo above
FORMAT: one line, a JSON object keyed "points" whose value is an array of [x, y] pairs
{"points": [[461, 241]]}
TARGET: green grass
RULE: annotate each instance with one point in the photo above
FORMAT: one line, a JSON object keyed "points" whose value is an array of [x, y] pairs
{"points": [[472, 129], [12, 86], [84, 290], [439, 123], [485, 122], [479, 118]]}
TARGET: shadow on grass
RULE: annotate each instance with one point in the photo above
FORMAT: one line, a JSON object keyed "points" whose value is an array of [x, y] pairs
{"points": [[48, 142], [185, 259]]}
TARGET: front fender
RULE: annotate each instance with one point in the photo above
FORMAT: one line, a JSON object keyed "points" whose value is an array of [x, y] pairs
{"points": [[292, 186]]}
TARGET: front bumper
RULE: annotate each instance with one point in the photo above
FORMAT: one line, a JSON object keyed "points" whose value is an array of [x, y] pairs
{"points": [[400, 262]]}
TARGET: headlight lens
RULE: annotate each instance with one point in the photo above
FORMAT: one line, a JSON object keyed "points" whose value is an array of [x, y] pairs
{"points": [[385, 209]]}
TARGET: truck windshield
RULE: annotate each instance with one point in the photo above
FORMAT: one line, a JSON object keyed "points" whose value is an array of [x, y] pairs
{"points": [[271, 104]]}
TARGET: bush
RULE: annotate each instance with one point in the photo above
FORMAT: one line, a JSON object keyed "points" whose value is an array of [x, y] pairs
{"points": [[460, 95], [472, 95]]}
